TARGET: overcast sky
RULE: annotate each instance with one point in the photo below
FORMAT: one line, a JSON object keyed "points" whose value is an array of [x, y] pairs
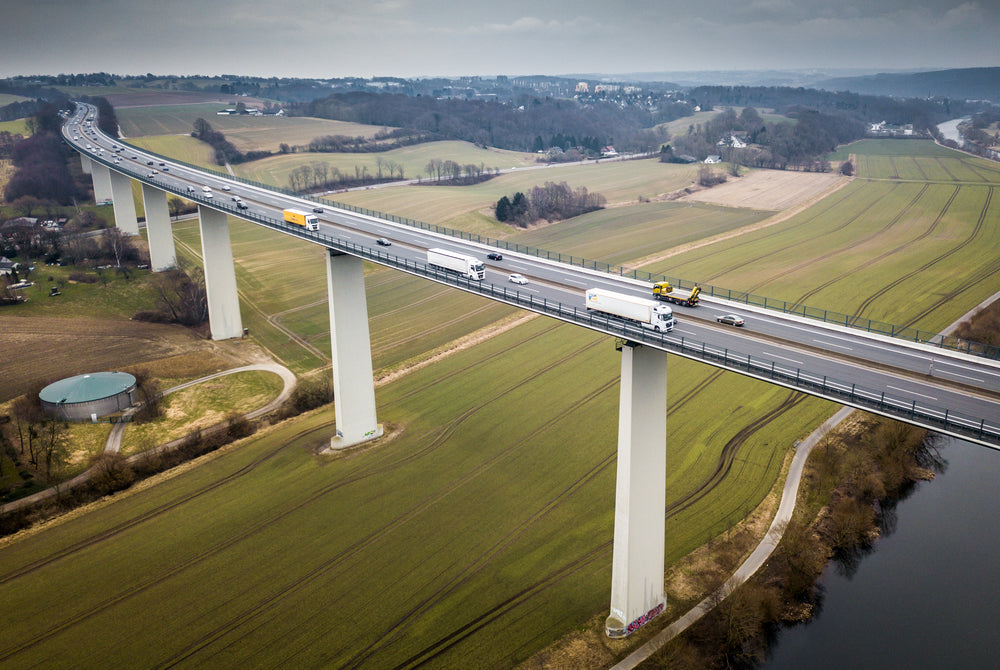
{"points": [[411, 38]]}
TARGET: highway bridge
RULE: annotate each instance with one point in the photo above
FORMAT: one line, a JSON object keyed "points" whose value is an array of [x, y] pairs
{"points": [[950, 391]]}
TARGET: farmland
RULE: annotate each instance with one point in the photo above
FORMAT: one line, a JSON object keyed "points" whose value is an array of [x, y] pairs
{"points": [[480, 529], [265, 133], [865, 249]]}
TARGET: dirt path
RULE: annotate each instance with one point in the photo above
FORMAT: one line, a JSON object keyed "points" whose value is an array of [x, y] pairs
{"points": [[113, 444], [766, 223]]}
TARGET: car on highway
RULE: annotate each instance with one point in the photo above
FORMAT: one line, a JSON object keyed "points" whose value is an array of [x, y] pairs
{"points": [[494, 256], [382, 242], [730, 320], [317, 210], [241, 205], [225, 187], [517, 279]]}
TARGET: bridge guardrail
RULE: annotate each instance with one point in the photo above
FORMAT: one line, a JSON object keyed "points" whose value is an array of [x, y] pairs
{"points": [[783, 306], [832, 389]]}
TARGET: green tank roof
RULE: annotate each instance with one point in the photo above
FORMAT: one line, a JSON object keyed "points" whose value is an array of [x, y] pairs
{"points": [[87, 388]]}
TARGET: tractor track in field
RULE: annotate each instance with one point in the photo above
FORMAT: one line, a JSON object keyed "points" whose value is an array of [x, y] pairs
{"points": [[728, 454], [946, 170], [977, 229], [439, 437], [476, 566], [409, 617], [771, 252], [916, 164], [868, 262], [539, 587], [441, 325], [812, 261], [153, 513]]}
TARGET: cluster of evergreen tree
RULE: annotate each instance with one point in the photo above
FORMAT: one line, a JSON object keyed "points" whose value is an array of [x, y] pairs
{"points": [[552, 202]]}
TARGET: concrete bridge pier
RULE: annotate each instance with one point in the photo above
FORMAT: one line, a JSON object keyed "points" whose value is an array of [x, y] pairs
{"points": [[124, 204], [162, 254], [220, 275], [353, 382], [640, 493], [101, 176], [85, 163]]}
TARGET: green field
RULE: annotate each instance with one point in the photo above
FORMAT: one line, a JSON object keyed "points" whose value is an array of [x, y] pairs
{"points": [[481, 531], [246, 132], [414, 159], [8, 98], [15, 127]]}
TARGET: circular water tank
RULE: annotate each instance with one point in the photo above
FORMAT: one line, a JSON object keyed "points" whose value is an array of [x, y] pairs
{"points": [[83, 397]]}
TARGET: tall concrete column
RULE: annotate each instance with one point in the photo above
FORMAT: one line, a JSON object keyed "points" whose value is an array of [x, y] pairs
{"points": [[640, 495], [353, 383], [101, 177], [121, 193], [162, 254], [220, 275], [85, 163]]}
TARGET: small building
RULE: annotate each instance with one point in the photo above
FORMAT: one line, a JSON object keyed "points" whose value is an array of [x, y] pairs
{"points": [[714, 159], [90, 396], [6, 265]]}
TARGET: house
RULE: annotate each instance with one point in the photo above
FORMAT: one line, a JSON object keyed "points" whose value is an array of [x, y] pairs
{"points": [[608, 151], [714, 159], [6, 265]]}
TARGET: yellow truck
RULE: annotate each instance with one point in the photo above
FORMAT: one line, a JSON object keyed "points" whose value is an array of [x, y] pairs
{"points": [[664, 291], [300, 218]]}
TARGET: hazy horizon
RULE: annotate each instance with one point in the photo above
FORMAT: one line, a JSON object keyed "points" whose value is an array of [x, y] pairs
{"points": [[410, 39]]}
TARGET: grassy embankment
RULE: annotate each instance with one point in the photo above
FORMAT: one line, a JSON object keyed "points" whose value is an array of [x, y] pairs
{"points": [[505, 561]]}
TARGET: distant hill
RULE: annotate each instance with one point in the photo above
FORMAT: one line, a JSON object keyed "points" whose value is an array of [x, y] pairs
{"points": [[976, 83]]}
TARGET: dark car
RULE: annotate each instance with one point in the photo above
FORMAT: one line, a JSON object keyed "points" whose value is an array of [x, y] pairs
{"points": [[382, 242], [494, 256], [730, 320], [317, 210]]}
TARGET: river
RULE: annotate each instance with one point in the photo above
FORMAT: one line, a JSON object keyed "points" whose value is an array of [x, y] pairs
{"points": [[927, 596], [949, 129]]}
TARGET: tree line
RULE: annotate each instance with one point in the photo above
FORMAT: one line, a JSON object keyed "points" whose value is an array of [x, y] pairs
{"points": [[802, 144], [225, 151], [551, 202], [529, 123]]}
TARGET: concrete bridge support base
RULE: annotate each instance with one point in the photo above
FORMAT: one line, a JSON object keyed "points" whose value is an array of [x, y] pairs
{"points": [[101, 176], [124, 204], [353, 383], [162, 253], [640, 496], [85, 163], [220, 275]]}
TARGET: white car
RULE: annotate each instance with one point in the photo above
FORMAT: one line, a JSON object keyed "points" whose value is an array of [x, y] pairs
{"points": [[517, 279], [225, 188]]}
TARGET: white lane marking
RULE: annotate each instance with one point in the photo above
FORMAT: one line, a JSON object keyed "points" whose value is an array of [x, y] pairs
{"points": [[790, 360], [896, 388], [955, 374], [901, 351], [831, 344]]}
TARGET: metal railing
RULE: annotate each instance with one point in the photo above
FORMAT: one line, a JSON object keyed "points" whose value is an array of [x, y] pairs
{"points": [[922, 413], [785, 307]]}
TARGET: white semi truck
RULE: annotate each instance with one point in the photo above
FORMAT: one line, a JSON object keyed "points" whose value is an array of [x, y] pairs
{"points": [[648, 313], [467, 266]]}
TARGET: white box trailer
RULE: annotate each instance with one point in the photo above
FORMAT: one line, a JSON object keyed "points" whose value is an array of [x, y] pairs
{"points": [[468, 266], [649, 313]]}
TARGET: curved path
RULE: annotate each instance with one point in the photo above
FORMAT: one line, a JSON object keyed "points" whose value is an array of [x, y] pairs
{"points": [[767, 545], [755, 560], [113, 445]]}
